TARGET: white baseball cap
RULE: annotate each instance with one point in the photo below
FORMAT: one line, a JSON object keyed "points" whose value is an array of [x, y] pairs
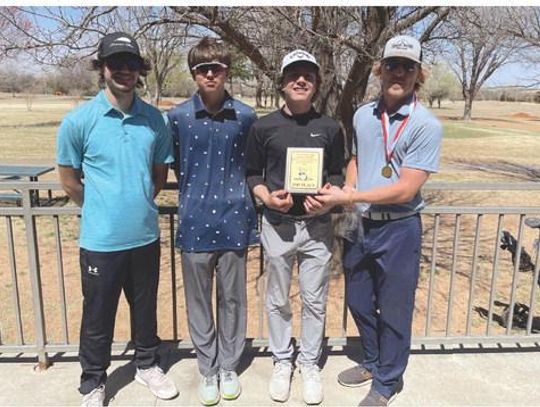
{"points": [[403, 46], [298, 55]]}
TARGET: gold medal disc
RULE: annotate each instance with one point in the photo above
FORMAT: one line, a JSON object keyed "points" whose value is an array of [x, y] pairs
{"points": [[386, 171]]}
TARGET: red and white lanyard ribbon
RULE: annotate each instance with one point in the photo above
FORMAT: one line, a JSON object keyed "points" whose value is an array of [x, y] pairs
{"points": [[385, 123]]}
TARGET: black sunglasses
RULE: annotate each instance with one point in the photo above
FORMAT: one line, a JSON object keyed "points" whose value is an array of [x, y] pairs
{"points": [[295, 75], [392, 64], [132, 64], [204, 69]]}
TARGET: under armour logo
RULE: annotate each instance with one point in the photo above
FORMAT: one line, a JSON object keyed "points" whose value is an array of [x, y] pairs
{"points": [[93, 270]]}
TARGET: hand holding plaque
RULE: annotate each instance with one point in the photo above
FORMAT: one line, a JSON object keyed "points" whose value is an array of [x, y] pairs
{"points": [[304, 170]]}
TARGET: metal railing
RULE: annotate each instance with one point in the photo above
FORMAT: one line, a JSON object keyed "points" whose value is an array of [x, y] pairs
{"points": [[465, 276]]}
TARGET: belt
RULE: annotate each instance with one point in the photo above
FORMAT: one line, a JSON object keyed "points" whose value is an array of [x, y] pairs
{"points": [[387, 215]]}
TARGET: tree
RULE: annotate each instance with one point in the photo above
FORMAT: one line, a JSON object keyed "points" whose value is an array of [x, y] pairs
{"points": [[240, 69], [13, 26], [525, 25], [13, 81], [345, 40], [441, 84], [478, 45], [76, 80], [57, 35], [161, 41]]}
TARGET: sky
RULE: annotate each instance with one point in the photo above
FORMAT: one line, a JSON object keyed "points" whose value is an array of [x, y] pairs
{"points": [[513, 74]]}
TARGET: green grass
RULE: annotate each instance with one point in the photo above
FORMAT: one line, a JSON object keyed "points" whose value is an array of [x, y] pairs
{"points": [[462, 130]]}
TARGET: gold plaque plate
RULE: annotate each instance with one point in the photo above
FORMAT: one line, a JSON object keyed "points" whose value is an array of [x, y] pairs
{"points": [[304, 170]]}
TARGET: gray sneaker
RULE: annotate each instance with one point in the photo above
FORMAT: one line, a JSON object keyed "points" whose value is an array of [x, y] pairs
{"points": [[160, 385], [95, 398], [312, 391], [355, 376], [280, 383], [209, 390]]}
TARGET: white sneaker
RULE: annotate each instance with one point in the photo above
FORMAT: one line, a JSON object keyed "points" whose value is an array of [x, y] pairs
{"points": [[229, 385], [95, 398], [209, 391], [280, 383], [160, 385], [311, 384]]}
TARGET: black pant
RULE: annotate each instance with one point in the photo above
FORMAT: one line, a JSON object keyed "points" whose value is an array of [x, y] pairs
{"points": [[104, 275]]}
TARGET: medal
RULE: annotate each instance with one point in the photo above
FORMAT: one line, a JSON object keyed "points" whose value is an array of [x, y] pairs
{"points": [[386, 171], [390, 142]]}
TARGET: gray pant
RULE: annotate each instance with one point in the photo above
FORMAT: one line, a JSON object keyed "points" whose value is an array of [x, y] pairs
{"points": [[224, 351], [308, 241]]}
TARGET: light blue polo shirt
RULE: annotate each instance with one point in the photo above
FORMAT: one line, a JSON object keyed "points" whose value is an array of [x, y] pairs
{"points": [[116, 153], [418, 147]]}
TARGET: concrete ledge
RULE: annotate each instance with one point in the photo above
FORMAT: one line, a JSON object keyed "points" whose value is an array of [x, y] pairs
{"points": [[485, 377]]}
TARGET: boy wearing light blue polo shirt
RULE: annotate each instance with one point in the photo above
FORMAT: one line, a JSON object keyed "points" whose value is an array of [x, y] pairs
{"points": [[113, 154], [397, 147]]}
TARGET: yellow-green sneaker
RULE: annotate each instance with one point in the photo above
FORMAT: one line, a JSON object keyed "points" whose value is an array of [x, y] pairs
{"points": [[209, 391], [229, 385]]}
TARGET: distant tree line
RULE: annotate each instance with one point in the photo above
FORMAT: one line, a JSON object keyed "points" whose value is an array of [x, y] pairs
{"points": [[464, 45]]}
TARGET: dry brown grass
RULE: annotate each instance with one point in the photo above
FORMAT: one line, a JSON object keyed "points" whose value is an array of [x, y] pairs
{"points": [[500, 132]]}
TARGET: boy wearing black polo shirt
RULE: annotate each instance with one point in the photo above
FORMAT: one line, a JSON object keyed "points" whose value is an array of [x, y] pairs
{"points": [[295, 226]]}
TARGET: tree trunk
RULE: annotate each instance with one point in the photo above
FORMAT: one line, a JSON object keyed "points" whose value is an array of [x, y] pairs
{"points": [[258, 95], [468, 106], [355, 87], [276, 99], [159, 89], [329, 89]]}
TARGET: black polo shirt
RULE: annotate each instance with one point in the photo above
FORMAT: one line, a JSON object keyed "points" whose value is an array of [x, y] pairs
{"points": [[270, 137]]}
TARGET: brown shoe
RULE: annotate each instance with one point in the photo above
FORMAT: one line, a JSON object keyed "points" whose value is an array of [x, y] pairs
{"points": [[374, 398], [355, 376]]}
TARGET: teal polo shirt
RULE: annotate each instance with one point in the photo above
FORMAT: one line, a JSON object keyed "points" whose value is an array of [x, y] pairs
{"points": [[116, 153]]}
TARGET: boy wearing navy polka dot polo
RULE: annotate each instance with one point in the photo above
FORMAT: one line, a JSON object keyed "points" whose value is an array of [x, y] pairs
{"points": [[217, 220]]}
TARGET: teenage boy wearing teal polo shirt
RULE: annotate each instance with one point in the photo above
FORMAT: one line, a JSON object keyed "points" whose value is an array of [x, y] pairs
{"points": [[398, 146], [217, 220], [121, 145]]}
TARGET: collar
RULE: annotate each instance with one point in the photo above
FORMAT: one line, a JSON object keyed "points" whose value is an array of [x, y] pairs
{"points": [[137, 108], [402, 111], [302, 117], [199, 106]]}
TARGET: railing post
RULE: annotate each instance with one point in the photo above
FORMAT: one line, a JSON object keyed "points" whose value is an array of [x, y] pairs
{"points": [[35, 280]]}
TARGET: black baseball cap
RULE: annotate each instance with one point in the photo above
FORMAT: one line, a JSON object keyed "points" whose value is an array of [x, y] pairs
{"points": [[118, 43]]}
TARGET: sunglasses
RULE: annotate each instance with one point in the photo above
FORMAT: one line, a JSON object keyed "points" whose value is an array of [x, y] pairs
{"points": [[391, 65], [132, 64], [204, 68], [294, 76]]}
